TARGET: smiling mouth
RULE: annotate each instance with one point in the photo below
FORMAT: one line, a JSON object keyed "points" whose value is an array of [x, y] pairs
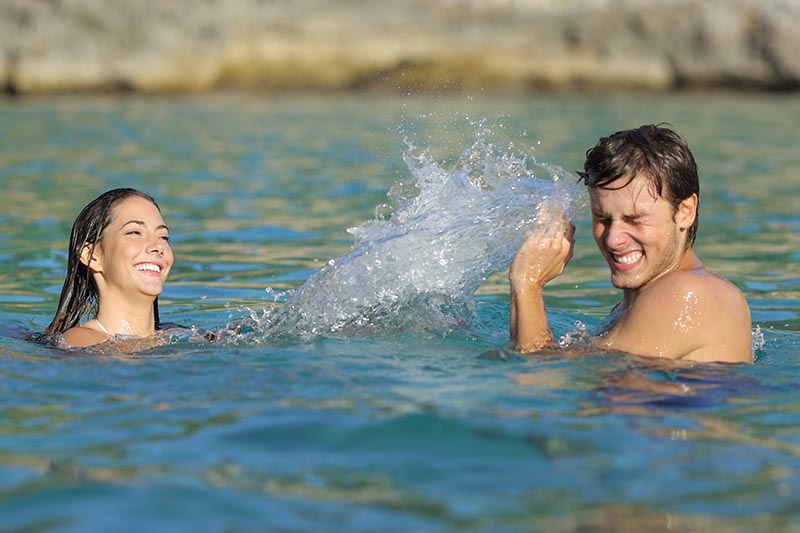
{"points": [[627, 259], [148, 267]]}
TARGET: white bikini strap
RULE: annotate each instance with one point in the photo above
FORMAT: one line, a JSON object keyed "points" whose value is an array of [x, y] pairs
{"points": [[102, 327]]}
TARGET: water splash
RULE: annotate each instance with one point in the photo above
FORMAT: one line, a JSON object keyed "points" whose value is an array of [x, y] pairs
{"points": [[758, 341], [580, 337], [417, 264]]}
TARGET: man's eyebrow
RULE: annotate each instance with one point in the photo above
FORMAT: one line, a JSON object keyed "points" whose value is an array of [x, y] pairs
{"points": [[628, 216]]}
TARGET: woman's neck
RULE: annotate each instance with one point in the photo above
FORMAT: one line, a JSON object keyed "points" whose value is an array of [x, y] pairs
{"points": [[138, 322]]}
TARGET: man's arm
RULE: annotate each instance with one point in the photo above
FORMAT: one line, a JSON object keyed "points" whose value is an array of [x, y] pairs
{"points": [[689, 315], [541, 258]]}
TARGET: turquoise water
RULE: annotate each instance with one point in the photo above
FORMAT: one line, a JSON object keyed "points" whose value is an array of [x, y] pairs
{"points": [[404, 413]]}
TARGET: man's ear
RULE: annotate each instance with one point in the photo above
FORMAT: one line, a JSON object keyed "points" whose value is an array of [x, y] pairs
{"points": [[687, 212], [91, 257]]}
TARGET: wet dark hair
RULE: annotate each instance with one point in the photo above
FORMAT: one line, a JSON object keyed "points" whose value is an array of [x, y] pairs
{"points": [[79, 296], [654, 151]]}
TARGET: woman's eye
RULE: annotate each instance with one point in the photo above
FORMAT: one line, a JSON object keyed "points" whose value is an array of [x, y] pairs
{"points": [[134, 232], [165, 237]]}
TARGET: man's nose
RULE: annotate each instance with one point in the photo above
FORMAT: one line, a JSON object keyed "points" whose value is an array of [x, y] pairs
{"points": [[616, 235]]}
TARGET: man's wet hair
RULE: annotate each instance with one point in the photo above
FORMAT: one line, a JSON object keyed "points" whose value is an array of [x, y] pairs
{"points": [[654, 151]]}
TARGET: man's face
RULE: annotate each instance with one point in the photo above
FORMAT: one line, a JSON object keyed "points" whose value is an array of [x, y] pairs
{"points": [[637, 233]]}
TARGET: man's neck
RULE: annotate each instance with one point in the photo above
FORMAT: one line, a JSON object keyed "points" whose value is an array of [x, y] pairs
{"points": [[688, 262]]}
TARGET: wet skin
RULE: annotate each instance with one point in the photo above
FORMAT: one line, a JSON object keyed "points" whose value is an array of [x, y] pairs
{"points": [[130, 265], [672, 305], [640, 234]]}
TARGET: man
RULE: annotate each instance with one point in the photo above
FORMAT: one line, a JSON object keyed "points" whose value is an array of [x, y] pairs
{"points": [[644, 193]]}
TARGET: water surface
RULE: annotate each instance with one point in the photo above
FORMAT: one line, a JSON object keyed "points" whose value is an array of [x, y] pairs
{"points": [[409, 427]]}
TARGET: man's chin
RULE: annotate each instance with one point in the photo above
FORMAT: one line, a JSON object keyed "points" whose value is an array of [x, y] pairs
{"points": [[625, 282]]}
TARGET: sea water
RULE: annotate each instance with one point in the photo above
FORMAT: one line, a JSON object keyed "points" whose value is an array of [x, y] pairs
{"points": [[363, 243]]}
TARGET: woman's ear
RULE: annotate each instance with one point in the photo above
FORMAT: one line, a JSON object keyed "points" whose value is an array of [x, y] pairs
{"points": [[91, 257], [687, 212]]}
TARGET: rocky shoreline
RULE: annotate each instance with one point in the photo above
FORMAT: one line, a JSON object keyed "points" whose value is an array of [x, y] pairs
{"points": [[152, 46]]}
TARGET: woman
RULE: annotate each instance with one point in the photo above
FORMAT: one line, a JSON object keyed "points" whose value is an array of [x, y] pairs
{"points": [[119, 258]]}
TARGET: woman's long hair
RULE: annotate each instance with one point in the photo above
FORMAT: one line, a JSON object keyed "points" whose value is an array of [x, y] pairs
{"points": [[79, 296]]}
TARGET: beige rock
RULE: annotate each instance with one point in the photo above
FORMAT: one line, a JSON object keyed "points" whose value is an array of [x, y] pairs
{"points": [[203, 45]]}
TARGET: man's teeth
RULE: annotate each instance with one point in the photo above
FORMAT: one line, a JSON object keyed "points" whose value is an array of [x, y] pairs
{"points": [[150, 267], [628, 259]]}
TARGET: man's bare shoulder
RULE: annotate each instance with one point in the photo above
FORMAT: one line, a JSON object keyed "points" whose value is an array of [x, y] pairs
{"points": [[80, 336], [698, 286], [687, 314]]}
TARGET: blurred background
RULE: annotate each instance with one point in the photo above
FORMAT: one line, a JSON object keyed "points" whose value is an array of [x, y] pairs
{"points": [[68, 46]]}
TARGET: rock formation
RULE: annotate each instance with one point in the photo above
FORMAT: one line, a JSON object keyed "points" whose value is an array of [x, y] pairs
{"points": [[55, 46]]}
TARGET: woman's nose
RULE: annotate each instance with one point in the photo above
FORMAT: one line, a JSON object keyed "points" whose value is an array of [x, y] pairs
{"points": [[157, 246]]}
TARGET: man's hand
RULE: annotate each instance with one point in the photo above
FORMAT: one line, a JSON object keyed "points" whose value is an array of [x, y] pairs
{"points": [[541, 258], [545, 253]]}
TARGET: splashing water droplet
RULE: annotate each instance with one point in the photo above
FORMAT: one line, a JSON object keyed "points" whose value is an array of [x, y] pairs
{"points": [[758, 341], [417, 266], [580, 337]]}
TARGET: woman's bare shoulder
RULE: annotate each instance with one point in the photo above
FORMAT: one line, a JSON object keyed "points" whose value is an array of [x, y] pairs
{"points": [[80, 336]]}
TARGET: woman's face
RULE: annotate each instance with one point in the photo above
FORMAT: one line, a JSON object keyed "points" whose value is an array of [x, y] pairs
{"points": [[133, 257]]}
